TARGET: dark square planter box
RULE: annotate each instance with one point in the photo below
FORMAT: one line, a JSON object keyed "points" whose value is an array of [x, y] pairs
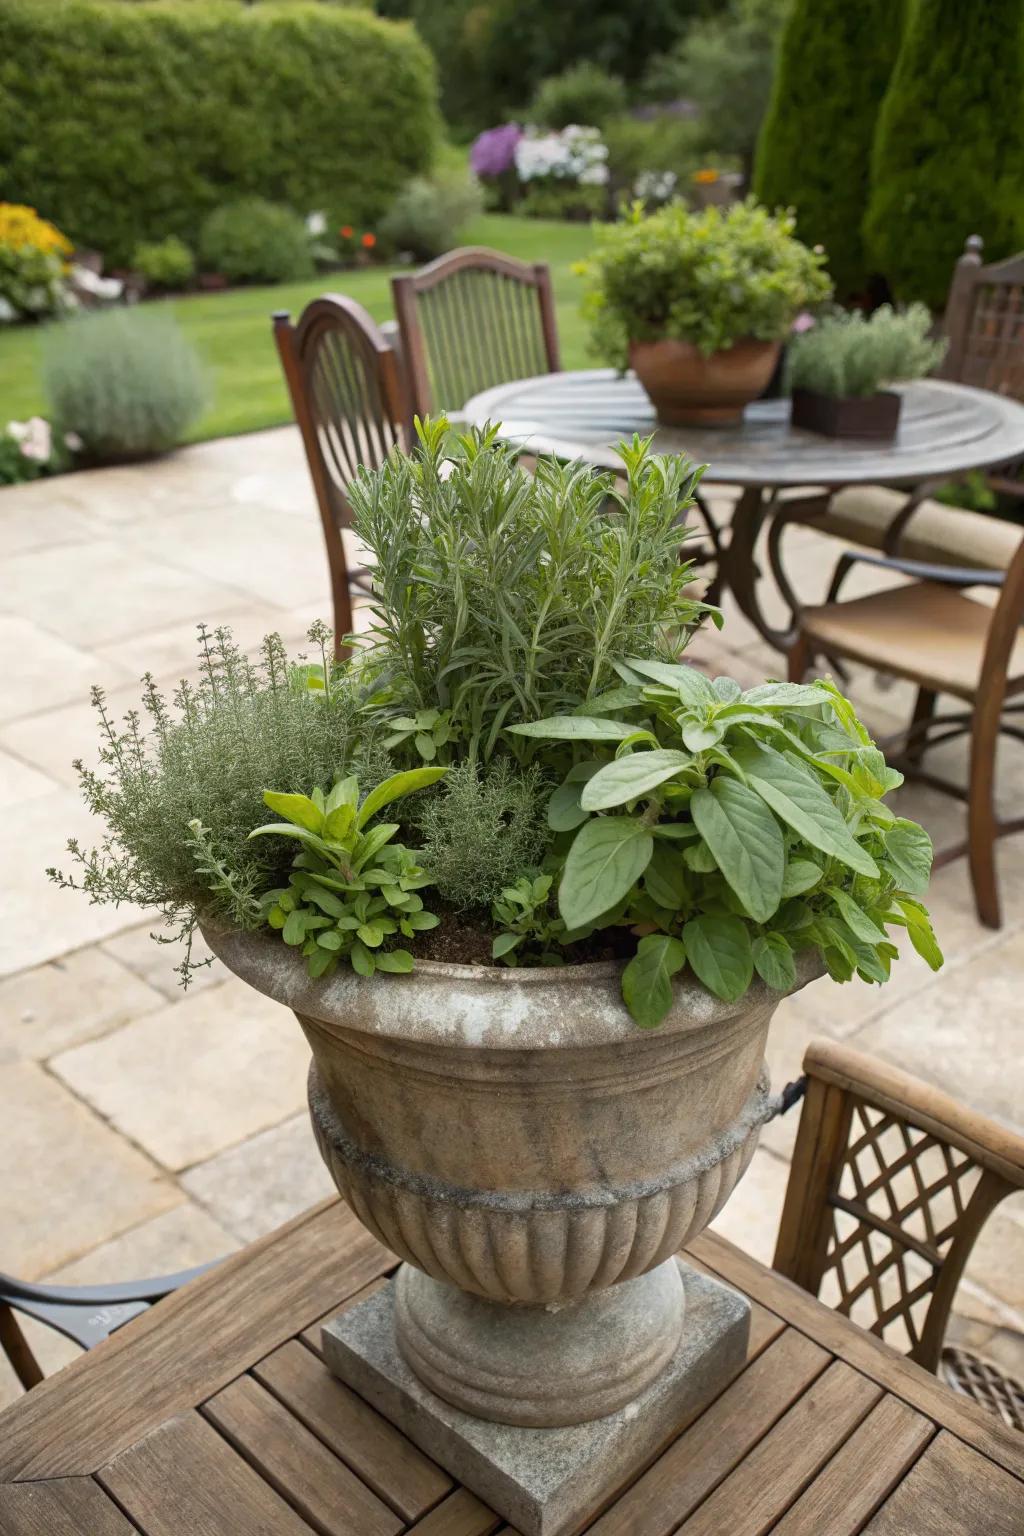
{"points": [[847, 416]]}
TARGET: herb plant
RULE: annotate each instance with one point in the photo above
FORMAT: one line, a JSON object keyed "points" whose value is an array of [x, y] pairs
{"points": [[564, 784], [504, 596], [847, 354], [710, 278], [732, 830], [351, 886]]}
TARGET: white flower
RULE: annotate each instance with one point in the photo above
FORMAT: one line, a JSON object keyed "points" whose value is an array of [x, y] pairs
{"points": [[316, 224], [18, 430], [593, 176], [37, 443], [72, 442], [7, 311], [100, 287]]}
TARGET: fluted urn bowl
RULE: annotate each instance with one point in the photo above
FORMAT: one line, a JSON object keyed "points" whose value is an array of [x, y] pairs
{"points": [[535, 1158]]}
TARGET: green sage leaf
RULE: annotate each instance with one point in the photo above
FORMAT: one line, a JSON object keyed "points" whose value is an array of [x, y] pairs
{"points": [[607, 858], [719, 952], [800, 801], [628, 778], [746, 841], [647, 979], [774, 962]]}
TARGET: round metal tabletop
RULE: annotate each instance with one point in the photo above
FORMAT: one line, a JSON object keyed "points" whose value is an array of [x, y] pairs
{"points": [[944, 429]]}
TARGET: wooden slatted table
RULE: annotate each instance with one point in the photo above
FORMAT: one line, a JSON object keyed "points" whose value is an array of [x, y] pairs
{"points": [[213, 1415]]}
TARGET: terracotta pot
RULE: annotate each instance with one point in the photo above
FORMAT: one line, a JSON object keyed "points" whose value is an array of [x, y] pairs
{"points": [[876, 415], [533, 1156], [689, 389]]}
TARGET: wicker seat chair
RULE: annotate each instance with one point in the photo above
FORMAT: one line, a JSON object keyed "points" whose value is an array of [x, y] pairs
{"points": [[349, 402], [891, 1183]]}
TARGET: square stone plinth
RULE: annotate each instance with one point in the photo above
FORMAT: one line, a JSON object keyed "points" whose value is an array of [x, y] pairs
{"points": [[545, 1482]]}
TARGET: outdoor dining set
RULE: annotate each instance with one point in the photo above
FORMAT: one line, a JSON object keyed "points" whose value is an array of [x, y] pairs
{"points": [[220, 1411]]}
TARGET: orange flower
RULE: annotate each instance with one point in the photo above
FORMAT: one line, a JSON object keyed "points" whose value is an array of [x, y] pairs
{"points": [[345, 231], [369, 241], [705, 178]]}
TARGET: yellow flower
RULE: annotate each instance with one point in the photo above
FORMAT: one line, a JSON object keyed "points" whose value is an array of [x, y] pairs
{"points": [[21, 226]]}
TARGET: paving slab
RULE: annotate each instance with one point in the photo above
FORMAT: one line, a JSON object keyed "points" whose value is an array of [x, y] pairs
{"points": [[264, 1182], [44, 670], [180, 1238], [41, 921], [73, 999], [195, 1076], [19, 782], [155, 962], [70, 1182]]}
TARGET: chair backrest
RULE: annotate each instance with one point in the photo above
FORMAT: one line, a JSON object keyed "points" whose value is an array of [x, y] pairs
{"points": [[350, 406], [472, 319], [890, 1184], [984, 322]]}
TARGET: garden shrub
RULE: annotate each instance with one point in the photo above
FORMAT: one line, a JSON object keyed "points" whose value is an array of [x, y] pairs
{"points": [[584, 93], [724, 64], [949, 146], [428, 214], [814, 155], [653, 158], [493, 54], [253, 241], [164, 263], [178, 107], [126, 382]]}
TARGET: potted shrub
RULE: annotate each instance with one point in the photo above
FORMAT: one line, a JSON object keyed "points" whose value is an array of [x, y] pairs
{"points": [[837, 368], [533, 888], [698, 304]]}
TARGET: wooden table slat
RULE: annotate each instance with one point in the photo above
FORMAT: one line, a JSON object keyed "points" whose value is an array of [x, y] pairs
{"points": [[299, 1466], [188, 1346], [72, 1506], [460, 1514], [706, 1453], [377, 1452], [861, 1475], [952, 1491], [781, 1465], [184, 1479], [865, 1352]]}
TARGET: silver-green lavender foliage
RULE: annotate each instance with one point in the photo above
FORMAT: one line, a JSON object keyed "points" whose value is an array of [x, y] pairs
{"points": [[482, 828], [506, 596], [181, 788], [847, 354], [127, 382]]}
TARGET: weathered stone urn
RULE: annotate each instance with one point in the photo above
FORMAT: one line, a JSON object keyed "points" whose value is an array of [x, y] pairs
{"points": [[535, 1158]]}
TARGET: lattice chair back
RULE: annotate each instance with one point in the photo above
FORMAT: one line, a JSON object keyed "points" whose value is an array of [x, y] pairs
{"points": [[350, 407], [470, 320], [985, 323], [890, 1184]]}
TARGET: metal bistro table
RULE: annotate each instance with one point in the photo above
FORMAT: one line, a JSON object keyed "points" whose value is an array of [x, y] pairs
{"points": [[214, 1415], [945, 430]]}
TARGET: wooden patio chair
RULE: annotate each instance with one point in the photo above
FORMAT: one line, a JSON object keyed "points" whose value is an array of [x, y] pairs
{"points": [[472, 319], [350, 406], [88, 1314], [984, 322], [933, 635], [890, 1184]]}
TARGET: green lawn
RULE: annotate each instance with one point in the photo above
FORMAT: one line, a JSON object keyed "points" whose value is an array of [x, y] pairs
{"points": [[232, 330]]}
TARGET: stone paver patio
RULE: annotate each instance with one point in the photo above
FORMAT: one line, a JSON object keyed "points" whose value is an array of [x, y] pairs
{"points": [[146, 1130]]}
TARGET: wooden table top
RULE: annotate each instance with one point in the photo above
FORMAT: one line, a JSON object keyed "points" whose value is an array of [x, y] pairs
{"points": [[213, 1415], [945, 428]]}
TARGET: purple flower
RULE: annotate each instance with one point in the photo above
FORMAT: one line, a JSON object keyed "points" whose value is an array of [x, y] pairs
{"points": [[493, 152]]}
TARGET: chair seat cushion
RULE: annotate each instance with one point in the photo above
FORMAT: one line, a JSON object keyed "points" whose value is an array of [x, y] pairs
{"points": [[936, 533], [926, 632]]}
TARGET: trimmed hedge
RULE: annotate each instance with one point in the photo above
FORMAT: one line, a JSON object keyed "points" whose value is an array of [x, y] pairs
{"points": [[131, 122], [814, 154], [949, 146]]}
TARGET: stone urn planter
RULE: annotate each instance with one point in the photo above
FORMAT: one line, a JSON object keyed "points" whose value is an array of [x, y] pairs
{"points": [[688, 388], [537, 1161]]}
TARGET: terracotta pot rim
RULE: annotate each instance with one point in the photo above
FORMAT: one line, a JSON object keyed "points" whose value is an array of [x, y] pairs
{"points": [[691, 346]]}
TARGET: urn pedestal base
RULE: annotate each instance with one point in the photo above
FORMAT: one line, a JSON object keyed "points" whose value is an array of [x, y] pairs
{"points": [[545, 1482]]}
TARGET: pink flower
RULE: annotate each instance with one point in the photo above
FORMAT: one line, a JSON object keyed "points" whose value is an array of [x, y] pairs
{"points": [[37, 442], [804, 321]]}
